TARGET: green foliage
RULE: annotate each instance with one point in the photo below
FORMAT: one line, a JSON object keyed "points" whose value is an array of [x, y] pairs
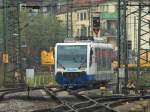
{"points": [[144, 80], [1, 24], [43, 29], [40, 31], [41, 79], [133, 76]]}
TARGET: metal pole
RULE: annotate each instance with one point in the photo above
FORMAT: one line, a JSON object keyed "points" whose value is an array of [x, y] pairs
{"points": [[118, 42], [139, 46], [135, 44], [71, 20], [126, 48], [19, 41], [11, 35], [4, 38], [67, 19], [89, 17]]}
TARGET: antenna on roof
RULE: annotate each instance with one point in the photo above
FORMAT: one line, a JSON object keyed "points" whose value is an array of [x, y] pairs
{"points": [[67, 40], [85, 38]]}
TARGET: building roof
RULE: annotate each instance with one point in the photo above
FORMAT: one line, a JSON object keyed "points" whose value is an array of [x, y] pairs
{"points": [[39, 2], [34, 2], [78, 5], [87, 2]]}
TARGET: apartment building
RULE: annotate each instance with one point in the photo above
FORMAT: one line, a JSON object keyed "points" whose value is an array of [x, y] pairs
{"points": [[82, 15], [82, 21]]}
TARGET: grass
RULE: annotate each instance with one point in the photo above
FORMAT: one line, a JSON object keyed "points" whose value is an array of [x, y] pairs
{"points": [[144, 80], [41, 79]]}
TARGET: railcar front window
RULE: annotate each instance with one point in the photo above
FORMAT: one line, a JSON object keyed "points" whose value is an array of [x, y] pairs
{"points": [[72, 56]]}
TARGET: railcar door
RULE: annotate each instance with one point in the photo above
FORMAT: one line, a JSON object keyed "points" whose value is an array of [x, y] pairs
{"points": [[92, 62]]}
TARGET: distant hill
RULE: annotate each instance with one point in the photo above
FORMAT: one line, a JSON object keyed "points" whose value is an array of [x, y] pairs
{"points": [[82, 2]]}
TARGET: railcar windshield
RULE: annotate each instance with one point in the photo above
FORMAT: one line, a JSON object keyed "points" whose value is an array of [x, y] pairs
{"points": [[72, 56]]}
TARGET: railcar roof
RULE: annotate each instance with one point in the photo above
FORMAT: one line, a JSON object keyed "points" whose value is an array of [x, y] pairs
{"points": [[93, 44]]}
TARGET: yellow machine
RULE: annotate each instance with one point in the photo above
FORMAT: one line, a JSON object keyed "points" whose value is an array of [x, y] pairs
{"points": [[144, 60]]}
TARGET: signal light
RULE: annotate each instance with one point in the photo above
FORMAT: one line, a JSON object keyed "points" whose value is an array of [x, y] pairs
{"points": [[129, 44], [96, 22]]}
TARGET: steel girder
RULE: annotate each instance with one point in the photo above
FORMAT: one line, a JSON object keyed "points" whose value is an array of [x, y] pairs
{"points": [[11, 38], [141, 10]]}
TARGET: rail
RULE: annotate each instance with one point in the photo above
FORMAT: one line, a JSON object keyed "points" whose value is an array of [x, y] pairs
{"points": [[85, 103], [5, 92], [89, 105]]}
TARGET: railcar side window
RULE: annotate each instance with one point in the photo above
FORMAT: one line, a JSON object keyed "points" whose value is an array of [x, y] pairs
{"points": [[98, 58], [103, 59]]}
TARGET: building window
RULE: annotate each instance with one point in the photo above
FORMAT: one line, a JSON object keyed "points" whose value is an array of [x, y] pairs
{"points": [[116, 7], [77, 16], [83, 31], [94, 9], [81, 16], [85, 16], [107, 8], [102, 8]]}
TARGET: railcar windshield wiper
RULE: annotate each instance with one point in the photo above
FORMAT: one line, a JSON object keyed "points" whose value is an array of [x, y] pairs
{"points": [[82, 65], [61, 65]]}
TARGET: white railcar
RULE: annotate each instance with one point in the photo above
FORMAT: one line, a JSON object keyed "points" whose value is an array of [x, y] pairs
{"points": [[83, 63]]}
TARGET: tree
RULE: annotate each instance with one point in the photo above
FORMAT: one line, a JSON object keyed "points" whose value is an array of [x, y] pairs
{"points": [[40, 31]]}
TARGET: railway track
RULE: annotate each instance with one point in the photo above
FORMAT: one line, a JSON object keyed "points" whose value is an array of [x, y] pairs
{"points": [[5, 92], [9, 91], [88, 105], [17, 99], [84, 103], [97, 104]]}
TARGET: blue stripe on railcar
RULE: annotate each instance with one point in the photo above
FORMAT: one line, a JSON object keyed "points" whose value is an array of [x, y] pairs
{"points": [[91, 77], [80, 80]]}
